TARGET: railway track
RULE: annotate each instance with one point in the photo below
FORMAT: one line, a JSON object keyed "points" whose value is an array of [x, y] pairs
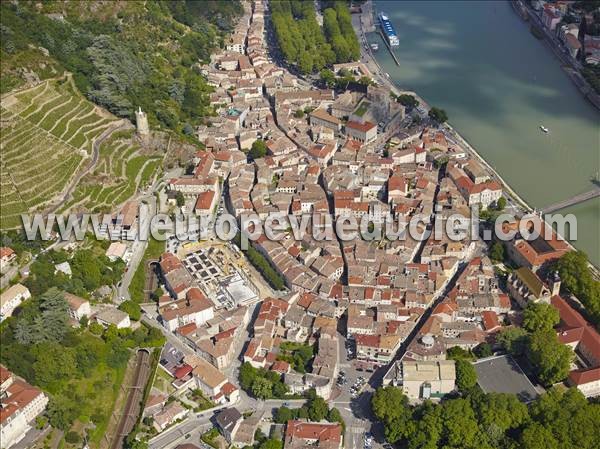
{"points": [[133, 405]]}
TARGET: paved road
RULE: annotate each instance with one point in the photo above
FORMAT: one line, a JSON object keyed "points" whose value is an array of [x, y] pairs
{"points": [[138, 248]]}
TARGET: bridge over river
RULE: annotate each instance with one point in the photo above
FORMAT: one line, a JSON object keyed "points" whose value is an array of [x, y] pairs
{"points": [[595, 192]]}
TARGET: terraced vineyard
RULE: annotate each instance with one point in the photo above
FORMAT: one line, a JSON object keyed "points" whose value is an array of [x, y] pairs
{"points": [[122, 169], [47, 134]]}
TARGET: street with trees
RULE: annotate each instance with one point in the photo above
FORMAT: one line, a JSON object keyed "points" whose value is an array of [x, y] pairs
{"points": [[307, 45]]}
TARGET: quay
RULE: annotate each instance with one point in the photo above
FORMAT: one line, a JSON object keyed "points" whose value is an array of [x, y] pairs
{"points": [[371, 62], [389, 47]]}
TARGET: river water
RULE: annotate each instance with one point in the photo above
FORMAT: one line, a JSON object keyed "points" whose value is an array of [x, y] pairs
{"points": [[498, 84]]}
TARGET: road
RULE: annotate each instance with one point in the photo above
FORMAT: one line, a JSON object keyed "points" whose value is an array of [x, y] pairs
{"points": [[138, 248], [194, 426]]}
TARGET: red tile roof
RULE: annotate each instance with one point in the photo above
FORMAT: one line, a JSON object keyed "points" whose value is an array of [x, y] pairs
{"points": [[324, 433], [584, 376], [490, 320], [6, 252], [182, 371], [204, 200], [363, 127]]}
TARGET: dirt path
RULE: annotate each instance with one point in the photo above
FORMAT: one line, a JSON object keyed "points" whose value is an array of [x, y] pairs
{"points": [[122, 125]]}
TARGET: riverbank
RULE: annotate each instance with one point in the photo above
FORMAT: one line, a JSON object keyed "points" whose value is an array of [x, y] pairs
{"points": [[370, 60], [571, 66], [380, 76]]}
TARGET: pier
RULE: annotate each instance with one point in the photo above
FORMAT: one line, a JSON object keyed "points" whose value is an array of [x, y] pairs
{"points": [[594, 193], [389, 47]]}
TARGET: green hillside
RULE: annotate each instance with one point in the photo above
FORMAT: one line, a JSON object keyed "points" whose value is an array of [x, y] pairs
{"points": [[122, 54]]}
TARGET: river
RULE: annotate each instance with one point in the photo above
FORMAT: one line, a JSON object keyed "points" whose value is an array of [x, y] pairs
{"points": [[498, 84]]}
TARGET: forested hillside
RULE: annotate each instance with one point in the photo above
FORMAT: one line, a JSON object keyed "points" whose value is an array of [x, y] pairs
{"points": [[122, 54], [304, 43]]}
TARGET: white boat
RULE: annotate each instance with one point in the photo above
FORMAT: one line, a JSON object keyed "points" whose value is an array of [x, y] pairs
{"points": [[375, 46], [543, 128]]}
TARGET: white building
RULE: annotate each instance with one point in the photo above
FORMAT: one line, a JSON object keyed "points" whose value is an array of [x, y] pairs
{"points": [[114, 316], [11, 299], [20, 404], [428, 380], [194, 308], [78, 307]]}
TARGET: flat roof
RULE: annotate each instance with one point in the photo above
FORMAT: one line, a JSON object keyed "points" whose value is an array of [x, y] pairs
{"points": [[501, 374]]}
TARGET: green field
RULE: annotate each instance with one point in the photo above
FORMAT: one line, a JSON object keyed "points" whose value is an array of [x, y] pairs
{"points": [[47, 134]]}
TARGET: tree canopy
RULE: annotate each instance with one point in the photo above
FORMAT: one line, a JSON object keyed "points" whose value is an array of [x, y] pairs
{"points": [[466, 376], [258, 150], [438, 115], [540, 316], [577, 279], [559, 418], [113, 61]]}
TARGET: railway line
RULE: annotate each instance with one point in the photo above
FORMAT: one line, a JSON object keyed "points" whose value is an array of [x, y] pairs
{"points": [[133, 404]]}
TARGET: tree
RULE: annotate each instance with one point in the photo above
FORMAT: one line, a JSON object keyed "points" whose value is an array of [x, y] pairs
{"points": [[497, 252], [501, 203], [283, 415], [262, 388], [513, 340], [72, 437], [458, 353], [460, 426], [408, 101], [550, 358], [577, 278], [299, 113], [132, 308], [540, 316], [84, 321], [391, 407], [483, 350], [571, 418], [365, 81], [258, 150], [305, 62], [438, 115], [247, 375], [535, 436], [61, 413], [180, 199], [334, 415], [49, 324], [327, 77], [466, 376], [279, 389], [317, 409], [500, 410], [96, 329]]}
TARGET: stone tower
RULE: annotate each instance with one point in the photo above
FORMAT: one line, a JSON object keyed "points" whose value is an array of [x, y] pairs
{"points": [[141, 122]]}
